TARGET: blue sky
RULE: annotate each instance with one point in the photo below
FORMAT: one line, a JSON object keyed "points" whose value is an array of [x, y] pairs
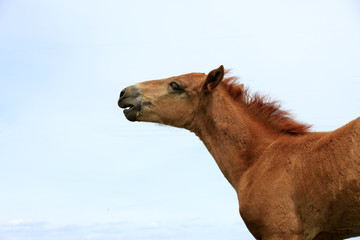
{"points": [[71, 165]]}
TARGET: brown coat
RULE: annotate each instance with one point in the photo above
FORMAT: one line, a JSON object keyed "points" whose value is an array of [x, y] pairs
{"points": [[291, 183]]}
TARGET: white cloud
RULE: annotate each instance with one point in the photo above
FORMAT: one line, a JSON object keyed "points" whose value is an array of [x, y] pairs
{"points": [[16, 222], [190, 230], [94, 236]]}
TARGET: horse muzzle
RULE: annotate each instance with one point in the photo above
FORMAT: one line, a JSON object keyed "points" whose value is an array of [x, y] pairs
{"points": [[131, 100]]}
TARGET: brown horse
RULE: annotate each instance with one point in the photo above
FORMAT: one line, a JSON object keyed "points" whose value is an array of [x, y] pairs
{"points": [[291, 183]]}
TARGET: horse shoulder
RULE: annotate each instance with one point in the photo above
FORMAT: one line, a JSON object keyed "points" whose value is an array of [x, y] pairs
{"points": [[304, 184], [298, 181], [328, 181]]}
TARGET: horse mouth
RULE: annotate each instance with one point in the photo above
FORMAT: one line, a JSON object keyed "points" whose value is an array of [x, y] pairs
{"points": [[131, 102], [131, 111]]}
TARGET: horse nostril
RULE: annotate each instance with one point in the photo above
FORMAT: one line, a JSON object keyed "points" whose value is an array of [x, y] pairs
{"points": [[122, 93]]}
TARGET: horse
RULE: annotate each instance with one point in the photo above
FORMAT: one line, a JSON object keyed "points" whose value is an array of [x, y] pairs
{"points": [[291, 183]]}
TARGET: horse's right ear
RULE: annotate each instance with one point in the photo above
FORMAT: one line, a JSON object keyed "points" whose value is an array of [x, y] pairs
{"points": [[213, 79]]}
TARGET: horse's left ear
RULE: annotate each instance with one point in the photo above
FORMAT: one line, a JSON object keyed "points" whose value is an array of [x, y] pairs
{"points": [[213, 78]]}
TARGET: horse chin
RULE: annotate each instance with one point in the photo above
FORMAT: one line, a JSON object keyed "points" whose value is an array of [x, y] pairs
{"points": [[131, 114]]}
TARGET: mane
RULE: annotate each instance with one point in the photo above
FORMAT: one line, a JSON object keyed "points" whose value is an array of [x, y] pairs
{"points": [[263, 108]]}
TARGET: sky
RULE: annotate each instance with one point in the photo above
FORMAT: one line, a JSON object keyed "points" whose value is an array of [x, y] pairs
{"points": [[72, 166]]}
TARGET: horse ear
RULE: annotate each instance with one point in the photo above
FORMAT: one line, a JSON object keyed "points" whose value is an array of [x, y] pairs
{"points": [[213, 78]]}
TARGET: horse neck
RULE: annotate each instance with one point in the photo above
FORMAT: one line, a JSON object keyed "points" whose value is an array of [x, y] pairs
{"points": [[233, 138]]}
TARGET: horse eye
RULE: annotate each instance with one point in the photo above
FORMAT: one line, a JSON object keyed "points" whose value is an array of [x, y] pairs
{"points": [[175, 86]]}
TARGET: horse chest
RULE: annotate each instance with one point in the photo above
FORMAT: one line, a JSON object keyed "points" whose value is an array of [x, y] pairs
{"points": [[266, 203]]}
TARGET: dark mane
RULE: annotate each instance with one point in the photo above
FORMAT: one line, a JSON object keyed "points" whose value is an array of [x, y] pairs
{"points": [[265, 109]]}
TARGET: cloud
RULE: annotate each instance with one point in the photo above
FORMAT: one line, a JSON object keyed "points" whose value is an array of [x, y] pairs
{"points": [[16, 222], [192, 229], [94, 236]]}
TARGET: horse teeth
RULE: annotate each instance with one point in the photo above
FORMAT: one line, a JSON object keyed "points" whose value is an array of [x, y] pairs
{"points": [[130, 106]]}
